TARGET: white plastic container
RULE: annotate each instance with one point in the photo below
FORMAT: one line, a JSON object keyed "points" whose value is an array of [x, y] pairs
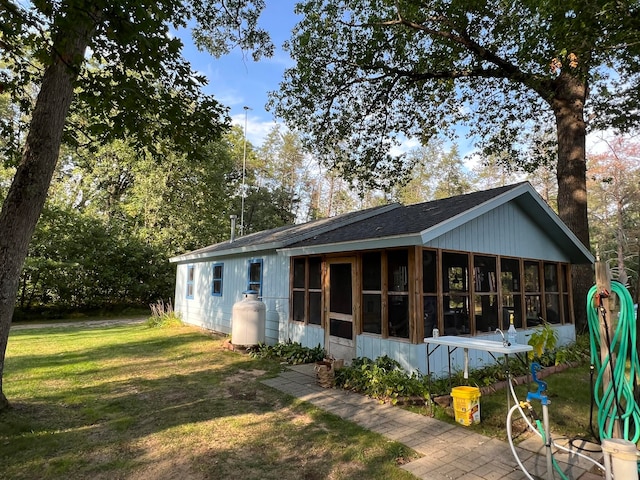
{"points": [[248, 320]]}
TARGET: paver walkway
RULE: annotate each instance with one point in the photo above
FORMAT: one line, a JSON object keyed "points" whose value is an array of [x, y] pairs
{"points": [[449, 452]]}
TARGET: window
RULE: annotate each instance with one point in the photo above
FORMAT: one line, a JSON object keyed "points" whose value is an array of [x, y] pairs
{"points": [[565, 282], [552, 293], [255, 276], [398, 293], [190, 280], [307, 290], [510, 284], [372, 292], [485, 299], [216, 279], [532, 293], [430, 291], [455, 286]]}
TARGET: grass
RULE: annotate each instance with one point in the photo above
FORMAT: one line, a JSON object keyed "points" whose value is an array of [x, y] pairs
{"points": [[138, 402]]}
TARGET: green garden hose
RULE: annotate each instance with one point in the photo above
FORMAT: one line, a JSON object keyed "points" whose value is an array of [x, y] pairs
{"points": [[616, 402]]}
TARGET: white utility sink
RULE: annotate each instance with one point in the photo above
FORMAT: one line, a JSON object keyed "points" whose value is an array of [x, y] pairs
{"points": [[479, 343]]}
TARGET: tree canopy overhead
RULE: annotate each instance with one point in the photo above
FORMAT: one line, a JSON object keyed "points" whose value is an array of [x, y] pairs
{"points": [[370, 73]]}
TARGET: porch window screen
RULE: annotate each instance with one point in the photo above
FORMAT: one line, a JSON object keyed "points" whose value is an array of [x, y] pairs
{"points": [[430, 291], [307, 290], [511, 289], [564, 282], [485, 287], [532, 293], [372, 293], [552, 293], [398, 293], [455, 286]]}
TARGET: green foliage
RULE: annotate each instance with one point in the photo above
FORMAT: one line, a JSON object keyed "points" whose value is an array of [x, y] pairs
{"points": [[362, 67], [543, 339], [383, 379], [290, 352]]}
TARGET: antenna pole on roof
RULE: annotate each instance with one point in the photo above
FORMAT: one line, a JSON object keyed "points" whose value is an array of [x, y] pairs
{"points": [[244, 168]]}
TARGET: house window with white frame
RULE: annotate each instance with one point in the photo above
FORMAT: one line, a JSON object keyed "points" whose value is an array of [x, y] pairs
{"points": [[255, 276], [216, 279], [190, 280]]}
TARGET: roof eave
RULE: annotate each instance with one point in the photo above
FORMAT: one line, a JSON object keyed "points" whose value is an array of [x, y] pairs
{"points": [[356, 245], [229, 252]]}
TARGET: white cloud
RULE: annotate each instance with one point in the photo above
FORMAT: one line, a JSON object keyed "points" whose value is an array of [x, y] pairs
{"points": [[257, 127]]}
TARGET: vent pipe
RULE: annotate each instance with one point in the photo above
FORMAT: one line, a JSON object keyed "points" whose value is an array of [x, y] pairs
{"points": [[233, 228]]}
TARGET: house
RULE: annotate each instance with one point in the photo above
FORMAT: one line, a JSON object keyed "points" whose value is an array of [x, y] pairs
{"points": [[378, 281]]}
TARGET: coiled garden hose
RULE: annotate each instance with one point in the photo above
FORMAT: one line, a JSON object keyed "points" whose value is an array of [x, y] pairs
{"points": [[615, 401]]}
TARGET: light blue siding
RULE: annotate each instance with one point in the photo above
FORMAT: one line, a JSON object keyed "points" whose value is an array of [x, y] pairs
{"points": [[413, 358], [507, 231], [215, 312], [477, 359], [308, 335]]}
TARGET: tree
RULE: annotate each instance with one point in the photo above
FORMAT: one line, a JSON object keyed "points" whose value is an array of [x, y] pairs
{"points": [[437, 173], [370, 73], [135, 84], [614, 200]]}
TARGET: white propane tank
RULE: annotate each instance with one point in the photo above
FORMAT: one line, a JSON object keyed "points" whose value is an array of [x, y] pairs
{"points": [[248, 320]]}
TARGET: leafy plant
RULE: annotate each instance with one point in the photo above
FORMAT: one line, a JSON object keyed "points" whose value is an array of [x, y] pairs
{"points": [[543, 339], [383, 379], [290, 352]]}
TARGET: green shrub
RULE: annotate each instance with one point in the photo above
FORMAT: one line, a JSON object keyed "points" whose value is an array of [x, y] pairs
{"points": [[290, 352], [383, 379]]}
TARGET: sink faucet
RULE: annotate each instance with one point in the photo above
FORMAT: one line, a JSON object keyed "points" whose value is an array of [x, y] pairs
{"points": [[505, 342]]}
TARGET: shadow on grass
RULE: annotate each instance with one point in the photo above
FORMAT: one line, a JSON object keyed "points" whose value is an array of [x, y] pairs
{"points": [[158, 405]]}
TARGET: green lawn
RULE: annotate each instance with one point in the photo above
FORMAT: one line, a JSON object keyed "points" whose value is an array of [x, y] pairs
{"points": [[138, 402]]}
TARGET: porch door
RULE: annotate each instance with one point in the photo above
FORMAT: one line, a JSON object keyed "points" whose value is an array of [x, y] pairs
{"points": [[339, 308]]}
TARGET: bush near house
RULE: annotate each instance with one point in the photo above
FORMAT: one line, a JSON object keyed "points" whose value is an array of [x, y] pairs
{"points": [[385, 379], [289, 352]]}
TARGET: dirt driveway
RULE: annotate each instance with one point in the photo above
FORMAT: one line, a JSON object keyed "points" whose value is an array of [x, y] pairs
{"points": [[80, 323]]}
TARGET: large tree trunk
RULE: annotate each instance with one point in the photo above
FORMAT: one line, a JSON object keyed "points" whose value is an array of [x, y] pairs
{"points": [[568, 106], [28, 191]]}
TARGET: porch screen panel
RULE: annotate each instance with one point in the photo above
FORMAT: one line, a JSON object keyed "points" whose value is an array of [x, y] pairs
{"points": [[398, 293], [455, 286], [511, 286], [340, 299], [564, 282], [306, 290], [299, 290], [551, 293], [430, 291], [315, 290], [532, 293], [485, 308], [372, 293]]}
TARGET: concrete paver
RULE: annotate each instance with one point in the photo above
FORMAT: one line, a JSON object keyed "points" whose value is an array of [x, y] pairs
{"points": [[449, 452]]}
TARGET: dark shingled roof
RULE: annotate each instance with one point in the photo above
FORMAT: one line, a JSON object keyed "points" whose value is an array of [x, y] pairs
{"points": [[405, 220], [284, 236], [385, 221]]}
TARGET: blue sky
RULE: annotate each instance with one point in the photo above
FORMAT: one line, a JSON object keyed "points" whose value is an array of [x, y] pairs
{"points": [[237, 81]]}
